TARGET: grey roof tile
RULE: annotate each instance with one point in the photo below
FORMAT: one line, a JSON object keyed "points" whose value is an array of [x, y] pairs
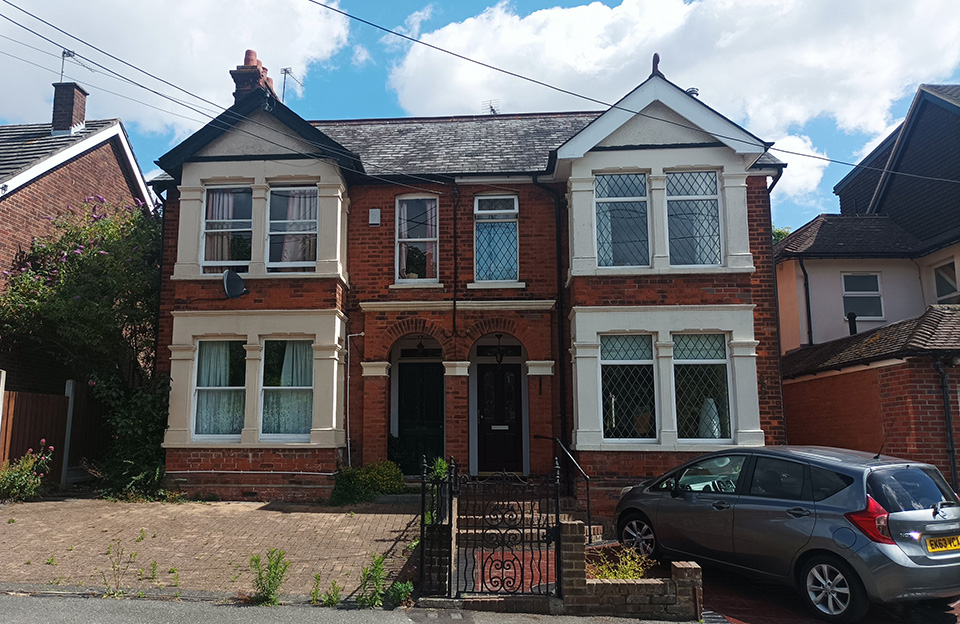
{"points": [[846, 236], [22, 146]]}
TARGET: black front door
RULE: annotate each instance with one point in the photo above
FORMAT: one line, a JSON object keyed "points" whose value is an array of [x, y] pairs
{"points": [[499, 418], [419, 414]]}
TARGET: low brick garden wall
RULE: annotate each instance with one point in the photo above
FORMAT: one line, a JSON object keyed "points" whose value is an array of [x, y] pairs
{"points": [[679, 597]]}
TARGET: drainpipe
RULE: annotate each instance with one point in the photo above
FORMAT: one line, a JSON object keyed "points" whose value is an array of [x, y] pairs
{"points": [[948, 421], [456, 256], [806, 300], [561, 340], [347, 398], [776, 179]]}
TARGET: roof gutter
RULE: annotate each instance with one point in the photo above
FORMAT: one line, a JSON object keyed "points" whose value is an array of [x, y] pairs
{"points": [[806, 300], [948, 421], [776, 179]]}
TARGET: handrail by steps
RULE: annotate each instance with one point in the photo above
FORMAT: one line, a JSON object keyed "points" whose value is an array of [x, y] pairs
{"points": [[586, 478]]}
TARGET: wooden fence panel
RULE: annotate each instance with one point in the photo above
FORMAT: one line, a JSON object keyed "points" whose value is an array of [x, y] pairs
{"points": [[28, 417]]}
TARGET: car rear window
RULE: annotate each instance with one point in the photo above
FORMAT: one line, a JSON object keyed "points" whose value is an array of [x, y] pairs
{"points": [[905, 489], [826, 483]]}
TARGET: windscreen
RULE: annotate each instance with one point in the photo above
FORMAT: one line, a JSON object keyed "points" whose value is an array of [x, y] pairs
{"points": [[905, 489]]}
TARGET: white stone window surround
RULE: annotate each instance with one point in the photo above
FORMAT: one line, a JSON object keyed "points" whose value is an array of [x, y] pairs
{"points": [[425, 282], [662, 322], [878, 293], [303, 266], [239, 265], [656, 163], [260, 176], [324, 328]]}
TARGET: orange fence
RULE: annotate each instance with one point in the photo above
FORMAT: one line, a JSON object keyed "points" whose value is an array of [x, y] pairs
{"points": [[28, 418]]}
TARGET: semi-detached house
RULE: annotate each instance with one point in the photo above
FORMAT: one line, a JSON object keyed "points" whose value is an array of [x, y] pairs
{"points": [[467, 287]]}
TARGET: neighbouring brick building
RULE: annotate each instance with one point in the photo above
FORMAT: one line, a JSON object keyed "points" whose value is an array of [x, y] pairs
{"points": [[890, 260], [467, 287], [43, 169]]}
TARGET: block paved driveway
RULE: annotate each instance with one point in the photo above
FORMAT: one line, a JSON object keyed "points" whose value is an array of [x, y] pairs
{"points": [[208, 545]]}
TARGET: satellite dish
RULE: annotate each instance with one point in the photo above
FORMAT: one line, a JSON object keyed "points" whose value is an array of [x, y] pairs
{"points": [[233, 285]]}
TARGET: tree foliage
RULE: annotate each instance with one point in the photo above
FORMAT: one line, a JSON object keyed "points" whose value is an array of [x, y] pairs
{"points": [[780, 233]]}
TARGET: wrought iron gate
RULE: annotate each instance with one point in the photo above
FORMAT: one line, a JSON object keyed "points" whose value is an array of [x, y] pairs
{"points": [[503, 534]]}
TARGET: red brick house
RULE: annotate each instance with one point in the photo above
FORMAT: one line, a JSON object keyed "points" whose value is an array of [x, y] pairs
{"points": [[467, 287], [43, 169]]}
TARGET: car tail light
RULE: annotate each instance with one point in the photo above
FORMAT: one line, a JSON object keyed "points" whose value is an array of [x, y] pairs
{"points": [[872, 521]]}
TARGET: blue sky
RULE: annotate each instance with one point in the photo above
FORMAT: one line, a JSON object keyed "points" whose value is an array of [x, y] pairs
{"points": [[812, 75]]}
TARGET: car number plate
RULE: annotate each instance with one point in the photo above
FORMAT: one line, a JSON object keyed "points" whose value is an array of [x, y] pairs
{"points": [[943, 544]]}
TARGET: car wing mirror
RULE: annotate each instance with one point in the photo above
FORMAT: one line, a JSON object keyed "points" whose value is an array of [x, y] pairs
{"points": [[674, 486]]}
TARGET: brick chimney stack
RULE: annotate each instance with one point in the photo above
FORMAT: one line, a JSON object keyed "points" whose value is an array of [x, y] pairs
{"points": [[250, 76], [69, 108]]}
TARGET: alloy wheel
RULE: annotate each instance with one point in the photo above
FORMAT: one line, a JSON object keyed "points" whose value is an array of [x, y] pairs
{"points": [[639, 535], [828, 589]]}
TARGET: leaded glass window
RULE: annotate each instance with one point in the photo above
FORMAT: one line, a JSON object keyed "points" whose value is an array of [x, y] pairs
{"points": [[627, 387], [495, 231], [700, 385], [623, 238], [693, 218]]}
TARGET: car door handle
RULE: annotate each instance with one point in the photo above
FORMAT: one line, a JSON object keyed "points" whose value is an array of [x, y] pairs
{"points": [[798, 512], [721, 504]]}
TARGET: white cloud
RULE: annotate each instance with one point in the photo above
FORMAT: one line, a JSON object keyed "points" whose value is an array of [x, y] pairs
{"points": [[361, 56], [191, 44], [802, 175], [878, 139], [770, 64], [411, 28]]}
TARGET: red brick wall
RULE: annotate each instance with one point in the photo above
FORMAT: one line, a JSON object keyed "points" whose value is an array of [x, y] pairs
{"points": [[25, 214], [839, 410]]}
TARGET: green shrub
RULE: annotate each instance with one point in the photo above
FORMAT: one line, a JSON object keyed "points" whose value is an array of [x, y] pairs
{"points": [[21, 480], [267, 583], [373, 584], [357, 485], [627, 563], [331, 597], [400, 594]]}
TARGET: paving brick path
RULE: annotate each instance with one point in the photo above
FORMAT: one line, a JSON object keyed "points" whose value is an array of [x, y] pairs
{"points": [[208, 544]]}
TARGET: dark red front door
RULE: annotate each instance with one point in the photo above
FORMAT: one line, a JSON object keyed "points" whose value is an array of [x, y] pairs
{"points": [[499, 418]]}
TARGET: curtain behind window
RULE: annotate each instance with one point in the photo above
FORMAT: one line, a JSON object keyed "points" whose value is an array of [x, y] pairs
{"points": [[220, 405], [288, 387]]}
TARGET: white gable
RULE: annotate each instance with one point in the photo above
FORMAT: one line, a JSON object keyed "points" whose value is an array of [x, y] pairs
{"points": [[646, 129], [261, 133], [685, 107]]}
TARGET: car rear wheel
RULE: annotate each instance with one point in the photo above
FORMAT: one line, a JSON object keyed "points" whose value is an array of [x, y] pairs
{"points": [[832, 590], [636, 532]]}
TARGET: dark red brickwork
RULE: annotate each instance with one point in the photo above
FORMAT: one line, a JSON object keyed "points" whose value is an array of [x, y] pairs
{"points": [[899, 406], [25, 214]]}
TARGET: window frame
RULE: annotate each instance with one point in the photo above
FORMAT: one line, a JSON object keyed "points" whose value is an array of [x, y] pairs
{"points": [[498, 216], [261, 387], [652, 363], [305, 265], [397, 241], [667, 198], [646, 199], [862, 294], [728, 377], [225, 264], [954, 294], [196, 387]]}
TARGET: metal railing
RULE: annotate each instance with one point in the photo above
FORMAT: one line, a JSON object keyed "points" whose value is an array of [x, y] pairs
{"points": [[585, 476]]}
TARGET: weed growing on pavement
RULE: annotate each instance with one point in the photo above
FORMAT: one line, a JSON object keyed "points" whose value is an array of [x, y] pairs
{"points": [[412, 546], [70, 549], [11, 521], [331, 597], [315, 592], [626, 564], [269, 577], [401, 594], [142, 536], [373, 583], [118, 568], [51, 561], [153, 571]]}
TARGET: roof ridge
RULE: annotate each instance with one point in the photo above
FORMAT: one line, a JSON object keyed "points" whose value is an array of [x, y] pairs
{"points": [[442, 118]]}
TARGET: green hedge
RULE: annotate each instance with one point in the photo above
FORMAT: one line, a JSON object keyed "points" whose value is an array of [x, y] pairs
{"points": [[357, 485]]}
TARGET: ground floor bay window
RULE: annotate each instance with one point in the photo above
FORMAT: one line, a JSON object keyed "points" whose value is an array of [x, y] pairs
{"points": [[679, 378]]}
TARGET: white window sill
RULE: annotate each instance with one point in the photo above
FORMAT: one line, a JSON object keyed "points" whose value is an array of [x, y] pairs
{"points": [[259, 276], [410, 285], [235, 443], [646, 446], [684, 270], [495, 284]]}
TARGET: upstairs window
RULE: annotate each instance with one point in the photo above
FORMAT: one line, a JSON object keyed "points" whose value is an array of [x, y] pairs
{"points": [[287, 387], [700, 377], [945, 277], [228, 229], [417, 239], [627, 387], [495, 233], [292, 230], [221, 378], [693, 218], [861, 295], [623, 237]]}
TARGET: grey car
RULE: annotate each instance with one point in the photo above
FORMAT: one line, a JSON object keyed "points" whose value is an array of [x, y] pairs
{"points": [[844, 527]]}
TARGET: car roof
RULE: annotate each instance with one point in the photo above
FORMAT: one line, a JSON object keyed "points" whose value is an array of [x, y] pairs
{"points": [[835, 457]]}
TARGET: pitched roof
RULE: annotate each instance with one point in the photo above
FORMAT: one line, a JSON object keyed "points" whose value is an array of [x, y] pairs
{"points": [[495, 144], [949, 92], [936, 330], [848, 236], [22, 146]]}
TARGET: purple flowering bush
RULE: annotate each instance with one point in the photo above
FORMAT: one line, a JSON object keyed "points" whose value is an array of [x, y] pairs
{"points": [[21, 479]]}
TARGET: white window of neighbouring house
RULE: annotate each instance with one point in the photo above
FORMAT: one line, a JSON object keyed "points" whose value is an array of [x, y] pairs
{"points": [[701, 386], [227, 229], [417, 239], [221, 378], [623, 236], [945, 278], [292, 231], [693, 218], [495, 238], [287, 388], [862, 295], [627, 387]]}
